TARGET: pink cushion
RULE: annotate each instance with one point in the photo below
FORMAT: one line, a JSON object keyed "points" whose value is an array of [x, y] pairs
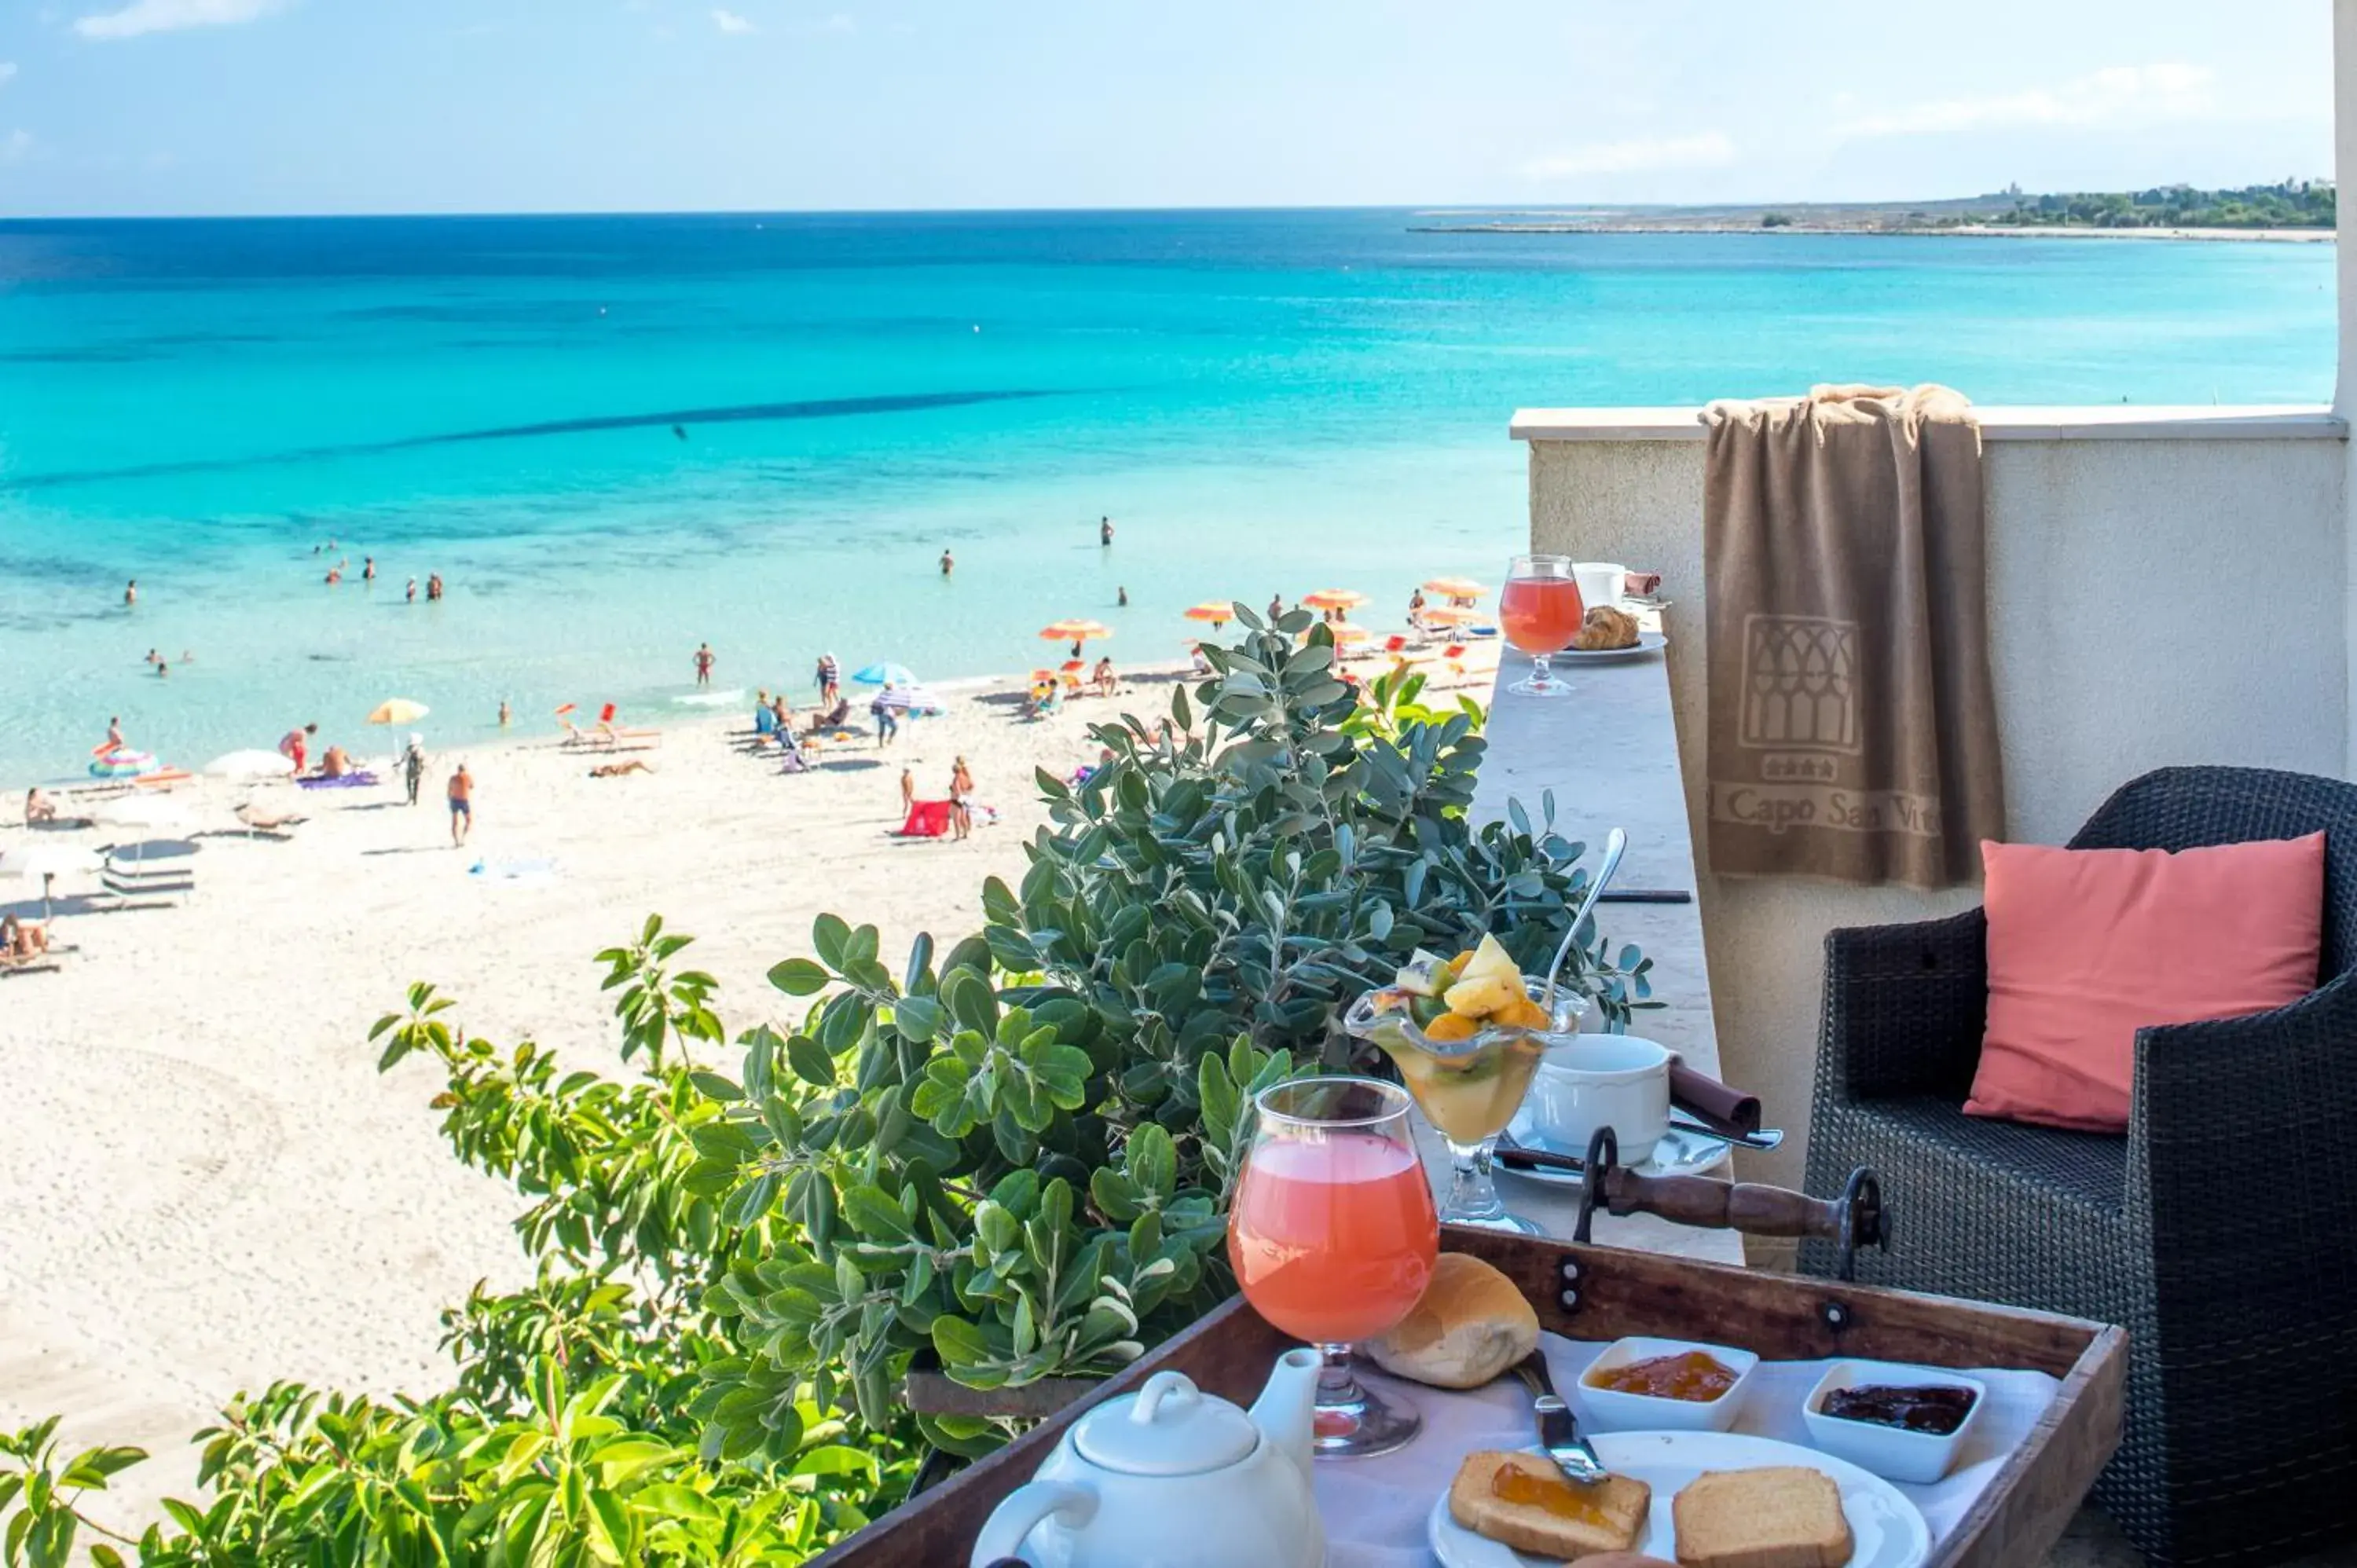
{"points": [[2087, 946]]}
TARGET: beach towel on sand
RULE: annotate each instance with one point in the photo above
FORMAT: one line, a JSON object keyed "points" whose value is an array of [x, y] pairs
{"points": [[1852, 728], [927, 819]]}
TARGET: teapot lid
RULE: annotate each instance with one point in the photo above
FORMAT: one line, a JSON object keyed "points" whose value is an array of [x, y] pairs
{"points": [[1170, 1427]]}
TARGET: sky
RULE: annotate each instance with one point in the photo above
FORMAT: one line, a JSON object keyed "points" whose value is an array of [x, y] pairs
{"points": [[152, 107]]}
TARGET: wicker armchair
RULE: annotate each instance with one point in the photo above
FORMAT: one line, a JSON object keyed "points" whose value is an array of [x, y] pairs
{"points": [[2221, 1231]]}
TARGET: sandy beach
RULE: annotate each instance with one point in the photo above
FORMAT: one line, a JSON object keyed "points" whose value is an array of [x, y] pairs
{"points": [[212, 1187]]}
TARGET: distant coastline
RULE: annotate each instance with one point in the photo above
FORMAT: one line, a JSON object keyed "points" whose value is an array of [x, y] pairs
{"points": [[1924, 231]]}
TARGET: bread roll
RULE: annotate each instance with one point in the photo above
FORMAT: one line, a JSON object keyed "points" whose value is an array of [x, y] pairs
{"points": [[1606, 628], [1470, 1324]]}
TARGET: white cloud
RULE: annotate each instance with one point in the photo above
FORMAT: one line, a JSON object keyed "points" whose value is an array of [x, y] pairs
{"points": [[171, 15], [1637, 155], [731, 22], [2117, 95]]}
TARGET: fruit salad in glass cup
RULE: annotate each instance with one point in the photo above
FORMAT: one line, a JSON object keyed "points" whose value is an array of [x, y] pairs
{"points": [[1467, 1034]]}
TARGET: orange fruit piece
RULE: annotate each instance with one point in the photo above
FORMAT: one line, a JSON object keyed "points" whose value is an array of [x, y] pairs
{"points": [[1452, 1027], [1522, 1013]]}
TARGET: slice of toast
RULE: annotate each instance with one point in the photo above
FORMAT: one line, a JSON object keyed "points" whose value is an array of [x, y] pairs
{"points": [[1786, 1515], [1523, 1501]]}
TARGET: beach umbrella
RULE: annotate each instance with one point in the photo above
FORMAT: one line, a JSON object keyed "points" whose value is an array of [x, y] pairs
{"points": [[885, 675], [912, 699], [399, 711], [1218, 614], [147, 811], [1447, 617], [1334, 599], [1075, 631], [46, 862], [248, 764], [1350, 636], [1455, 587], [122, 762]]}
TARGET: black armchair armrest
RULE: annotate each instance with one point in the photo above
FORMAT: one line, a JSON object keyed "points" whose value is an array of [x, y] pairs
{"points": [[1904, 1008]]}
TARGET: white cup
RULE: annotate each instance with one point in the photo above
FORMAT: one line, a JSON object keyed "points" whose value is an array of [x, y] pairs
{"points": [[1601, 582], [1602, 1080]]}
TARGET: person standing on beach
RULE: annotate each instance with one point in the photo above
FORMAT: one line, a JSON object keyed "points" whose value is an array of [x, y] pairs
{"points": [[462, 805], [830, 681], [1104, 532], [1275, 607], [888, 726], [1121, 598], [368, 568], [948, 565], [413, 766], [960, 798], [908, 792], [131, 593], [704, 664], [114, 735], [296, 744], [504, 715]]}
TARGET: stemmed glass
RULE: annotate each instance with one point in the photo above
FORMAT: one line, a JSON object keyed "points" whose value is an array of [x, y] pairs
{"points": [[1540, 611], [1332, 1238], [1468, 1089]]}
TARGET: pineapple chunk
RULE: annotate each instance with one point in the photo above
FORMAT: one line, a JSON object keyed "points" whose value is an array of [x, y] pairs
{"points": [[1481, 995], [1492, 960]]}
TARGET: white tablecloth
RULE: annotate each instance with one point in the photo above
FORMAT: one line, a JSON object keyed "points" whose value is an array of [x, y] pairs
{"points": [[1375, 1508]]}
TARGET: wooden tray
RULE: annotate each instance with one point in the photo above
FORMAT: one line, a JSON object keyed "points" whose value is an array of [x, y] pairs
{"points": [[1602, 1293]]}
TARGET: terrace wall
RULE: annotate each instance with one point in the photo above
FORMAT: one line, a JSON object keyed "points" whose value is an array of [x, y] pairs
{"points": [[2166, 587]]}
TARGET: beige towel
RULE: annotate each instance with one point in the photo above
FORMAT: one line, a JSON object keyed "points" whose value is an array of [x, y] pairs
{"points": [[1852, 731]]}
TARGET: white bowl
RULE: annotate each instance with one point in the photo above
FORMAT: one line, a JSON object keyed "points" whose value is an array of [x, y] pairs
{"points": [[1610, 1410], [1922, 1458]]}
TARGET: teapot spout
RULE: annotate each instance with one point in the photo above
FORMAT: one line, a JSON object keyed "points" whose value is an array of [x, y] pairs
{"points": [[1285, 1410]]}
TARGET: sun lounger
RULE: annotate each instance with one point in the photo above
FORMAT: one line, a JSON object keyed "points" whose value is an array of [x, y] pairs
{"points": [[36, 964], [58, 824], [261, 820], [614, 739], [162, 778]]}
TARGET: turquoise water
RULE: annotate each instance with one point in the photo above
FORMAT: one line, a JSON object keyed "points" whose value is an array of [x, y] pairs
{"points": [[1264, 401]]}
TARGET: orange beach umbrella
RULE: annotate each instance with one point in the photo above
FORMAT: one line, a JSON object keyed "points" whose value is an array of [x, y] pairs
{"points": [[1334, 599], [1445, 615], [1349, 636], [1455, 587], [1217, 613], [1075, 630]]}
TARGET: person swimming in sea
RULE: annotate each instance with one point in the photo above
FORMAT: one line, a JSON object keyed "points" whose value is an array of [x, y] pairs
{"points": [[368, 568], [948, 563], [131, 593], [411, 593]]}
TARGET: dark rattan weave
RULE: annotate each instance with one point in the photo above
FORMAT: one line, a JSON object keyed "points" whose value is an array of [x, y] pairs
{"points": [[2221, 1231]]}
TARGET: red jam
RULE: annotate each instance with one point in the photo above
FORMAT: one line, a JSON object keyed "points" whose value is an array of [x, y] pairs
{"points": [[1936, 1409], [1692, 1375]]}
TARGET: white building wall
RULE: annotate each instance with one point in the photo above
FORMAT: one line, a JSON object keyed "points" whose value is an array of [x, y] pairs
{"points": [[2156, 597]]}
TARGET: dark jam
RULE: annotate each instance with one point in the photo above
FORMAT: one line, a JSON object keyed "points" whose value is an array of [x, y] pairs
{"points": [[1936, 1409], [1689, 1375]]}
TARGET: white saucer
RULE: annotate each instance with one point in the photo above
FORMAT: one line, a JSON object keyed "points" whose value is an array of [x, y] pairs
{"points": [[1888, 1530], [1678, 1154], [1646, 642]]}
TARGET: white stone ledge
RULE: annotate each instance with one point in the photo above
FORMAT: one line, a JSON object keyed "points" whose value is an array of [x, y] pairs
{"points": [[2099, 421]]}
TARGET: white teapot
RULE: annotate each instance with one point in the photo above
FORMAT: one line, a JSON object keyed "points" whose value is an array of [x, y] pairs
{"points": [[1173, 1478]]}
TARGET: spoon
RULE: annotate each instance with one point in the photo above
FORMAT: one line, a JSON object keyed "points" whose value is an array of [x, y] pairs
{"points": [[1616, 843]]}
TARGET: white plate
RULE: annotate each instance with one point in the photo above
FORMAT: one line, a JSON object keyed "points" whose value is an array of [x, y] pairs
{"points": [[1646, 642], [1887, 1530], [1678, 1154]]}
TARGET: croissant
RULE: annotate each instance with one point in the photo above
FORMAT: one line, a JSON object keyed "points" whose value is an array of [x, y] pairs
{"points": [[1606, 628]]}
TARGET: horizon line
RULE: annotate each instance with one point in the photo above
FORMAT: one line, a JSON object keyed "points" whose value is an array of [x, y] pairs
{"points": [[1563, 205]]}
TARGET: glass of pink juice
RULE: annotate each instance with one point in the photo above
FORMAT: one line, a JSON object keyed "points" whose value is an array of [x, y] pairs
{"points": [[1332, 1236], [1540, 611]]}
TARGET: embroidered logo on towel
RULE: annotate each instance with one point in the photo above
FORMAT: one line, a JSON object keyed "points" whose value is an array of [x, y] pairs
{"points": [[1800, 692]]}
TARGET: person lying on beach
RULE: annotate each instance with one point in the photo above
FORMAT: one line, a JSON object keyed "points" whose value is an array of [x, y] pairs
{"points": [[22, 940], [617, 769], [835, 717], [39, 807]]}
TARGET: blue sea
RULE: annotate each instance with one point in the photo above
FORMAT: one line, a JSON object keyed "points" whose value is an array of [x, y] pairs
{"points": [[614, 437]]}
